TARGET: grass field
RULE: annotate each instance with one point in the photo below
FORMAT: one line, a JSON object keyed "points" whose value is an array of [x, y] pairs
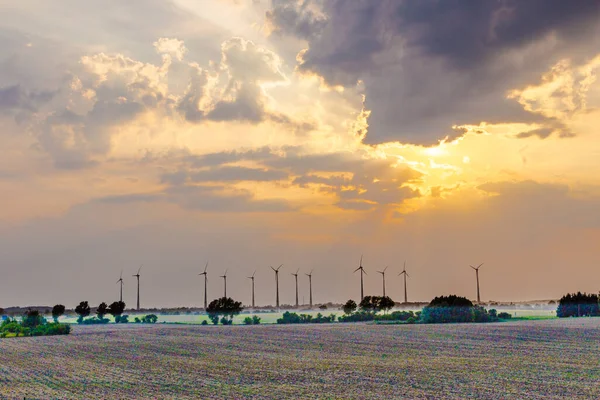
{"points": [[548, 359]]}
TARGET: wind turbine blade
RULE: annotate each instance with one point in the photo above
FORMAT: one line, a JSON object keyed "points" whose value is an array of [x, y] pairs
{"points": [[365, 272], [273, 269], [298, 270], [206, 266], [479, 266], [473, 267], [140, 268], [360, 265], [254, 273], [279, 267], [357, 269], [386, 267]]}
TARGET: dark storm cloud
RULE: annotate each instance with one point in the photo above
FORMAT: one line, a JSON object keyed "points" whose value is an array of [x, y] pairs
{"points": [[428, 65], [470, 33]]}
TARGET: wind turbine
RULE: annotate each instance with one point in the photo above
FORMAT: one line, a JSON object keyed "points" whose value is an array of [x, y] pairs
{"points": [[405, 276], [205, 280], [121, 282], [138, 284], [277, 284], [296, 276], [362, 271], [252, 277], [224, 276], [310, 286], [477, 276], [383, 276]]}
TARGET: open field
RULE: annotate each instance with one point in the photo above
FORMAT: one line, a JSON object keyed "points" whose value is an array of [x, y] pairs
{"points": [[524, 359]]}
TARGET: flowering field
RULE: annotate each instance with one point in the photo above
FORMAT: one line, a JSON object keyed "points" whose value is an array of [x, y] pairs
{"points": [[548, 359]]}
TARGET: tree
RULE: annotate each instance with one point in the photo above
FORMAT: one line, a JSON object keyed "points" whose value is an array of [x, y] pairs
{"points": [[444, 309], [116, 309], [578, 305], [83, 310], [1, 310], [385, 303], [32, 319], [376, 303], [57, 311], [102, 310], [367, 304], [349, 307], [225, 306]]}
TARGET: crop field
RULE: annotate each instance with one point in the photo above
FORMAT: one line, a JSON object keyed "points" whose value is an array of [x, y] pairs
{"points": [[548, 359]]}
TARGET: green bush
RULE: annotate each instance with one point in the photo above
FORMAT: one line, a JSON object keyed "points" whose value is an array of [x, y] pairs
{"points": [[32, 324], [94, 321], [504, 315], [205, 322], [395, 316], [149, 319], [51, 329], [255, 319], [293, 318], [360, 316]]}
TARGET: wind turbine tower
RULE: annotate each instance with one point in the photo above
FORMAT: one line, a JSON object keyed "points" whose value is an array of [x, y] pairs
{"points": [[296, 276], [205, 280], [121, 282], [383, 276], [224, 276], [277, 284], [477, 276], [252, 278], [405, 276], [362, 271], [138, 288], [310, 287]]}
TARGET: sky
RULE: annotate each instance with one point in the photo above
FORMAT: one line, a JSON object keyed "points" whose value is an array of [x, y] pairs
{"points": [[254, 133]]}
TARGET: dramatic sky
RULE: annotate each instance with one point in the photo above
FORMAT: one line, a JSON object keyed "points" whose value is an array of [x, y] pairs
{"points": [[298, 132]]}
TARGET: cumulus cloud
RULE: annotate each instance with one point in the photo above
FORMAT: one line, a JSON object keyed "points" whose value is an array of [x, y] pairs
{"points": [[235, 90], [108, 92], [428, 65], [172, 47]]}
